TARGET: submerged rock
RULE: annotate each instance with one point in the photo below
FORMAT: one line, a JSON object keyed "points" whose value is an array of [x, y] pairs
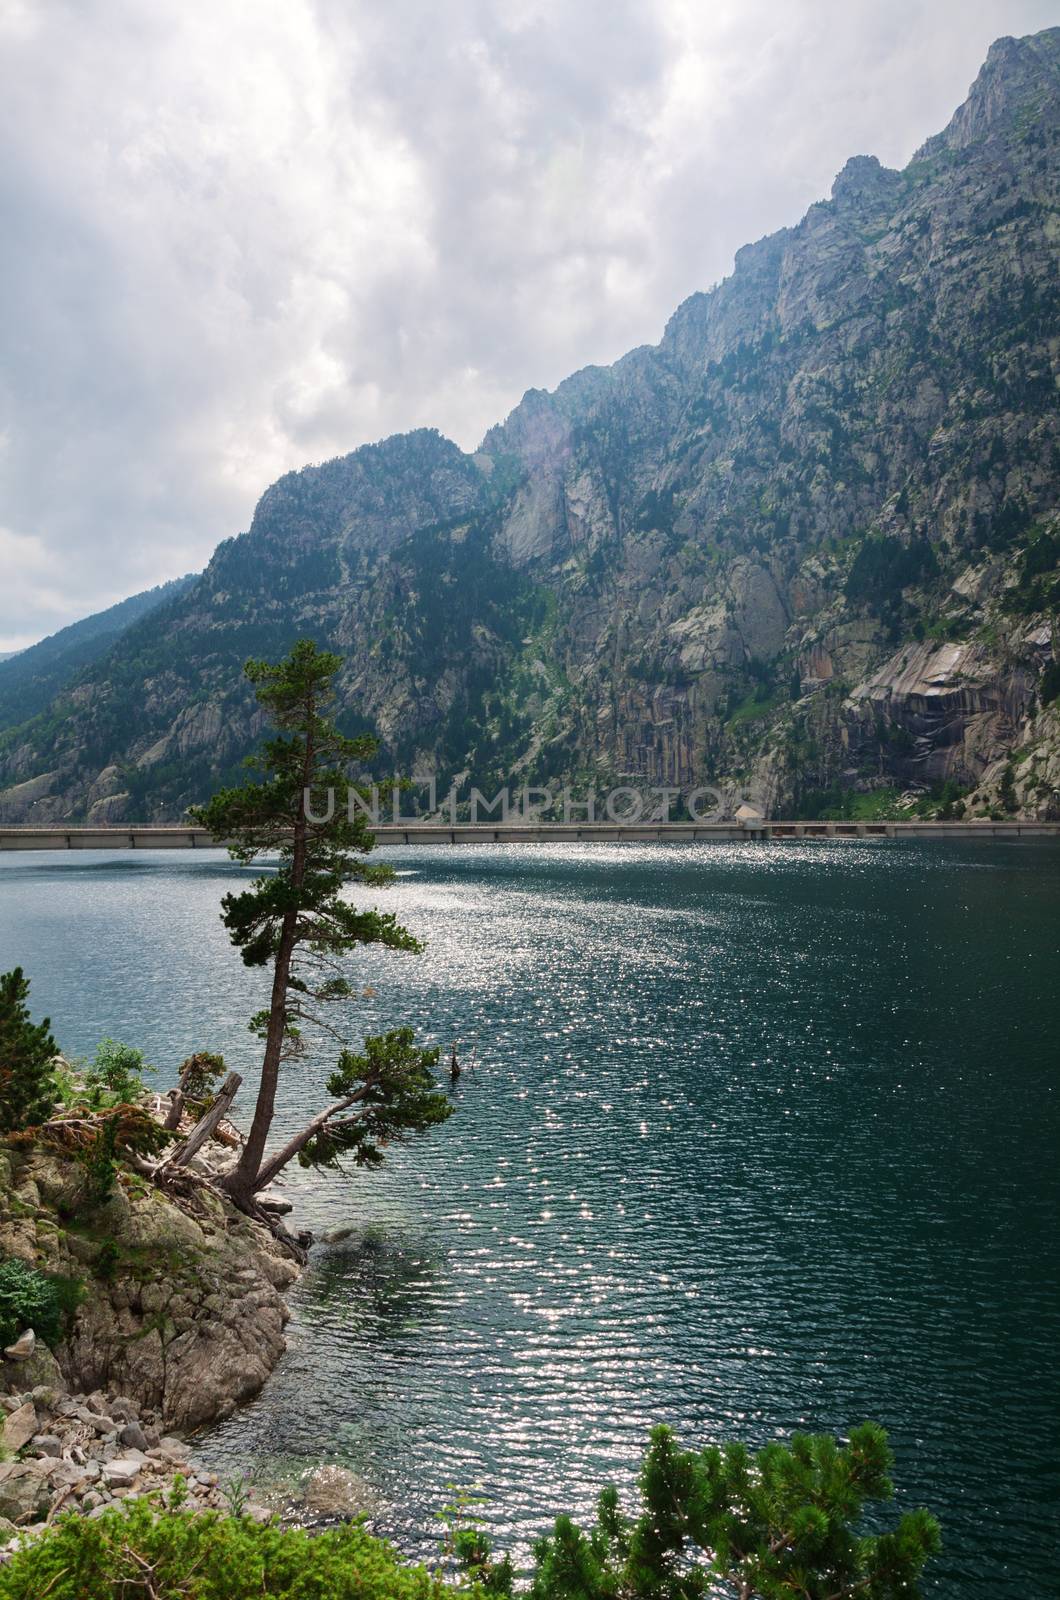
{"points": [[333, 1491]]}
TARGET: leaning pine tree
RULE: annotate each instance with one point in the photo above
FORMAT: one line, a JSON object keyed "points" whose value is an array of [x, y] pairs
{"points": [[296, 920]]}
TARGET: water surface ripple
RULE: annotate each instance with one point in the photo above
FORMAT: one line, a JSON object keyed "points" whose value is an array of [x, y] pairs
{"points": [[759, 1138]]}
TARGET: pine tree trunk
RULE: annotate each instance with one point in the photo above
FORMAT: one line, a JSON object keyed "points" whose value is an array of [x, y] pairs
{"points": [[276, 1163], [242, 1181]]}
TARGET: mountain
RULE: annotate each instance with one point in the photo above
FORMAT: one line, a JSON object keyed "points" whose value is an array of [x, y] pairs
{"points": [[807, 545], [31, 679]]}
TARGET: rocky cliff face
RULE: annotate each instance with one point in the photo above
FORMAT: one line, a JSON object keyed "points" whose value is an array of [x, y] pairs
{"points": [[806, 545], [185, 1312]]}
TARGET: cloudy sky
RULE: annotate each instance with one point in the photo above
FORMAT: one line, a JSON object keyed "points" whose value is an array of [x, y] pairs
{"points": [[240, 235]]}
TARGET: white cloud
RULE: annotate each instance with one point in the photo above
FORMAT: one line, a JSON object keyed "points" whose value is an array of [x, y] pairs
{"points": [[246, 235]]}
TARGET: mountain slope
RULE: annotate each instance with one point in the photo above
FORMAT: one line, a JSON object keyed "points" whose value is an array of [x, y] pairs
{"points": [[806, 546], [30, 679]]}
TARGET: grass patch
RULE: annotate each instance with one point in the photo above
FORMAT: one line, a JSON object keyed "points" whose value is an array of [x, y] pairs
{"points": [[753, 709]]}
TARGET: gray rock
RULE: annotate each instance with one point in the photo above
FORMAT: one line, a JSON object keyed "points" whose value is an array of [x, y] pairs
{"points": [[46, 1444], [23, 1346], [19, 1427], [333, 1491], [24, 1494], [132, 1435], [102, 1425], [121, 1473]]}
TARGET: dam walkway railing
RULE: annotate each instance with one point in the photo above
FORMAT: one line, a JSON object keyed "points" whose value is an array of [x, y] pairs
{"points": [[134, 837]]}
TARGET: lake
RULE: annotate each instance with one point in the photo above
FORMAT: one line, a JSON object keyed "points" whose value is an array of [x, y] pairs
{"points": [[759, 1137]]}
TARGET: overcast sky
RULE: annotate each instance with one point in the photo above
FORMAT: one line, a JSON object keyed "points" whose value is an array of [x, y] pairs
{"points": [[240, 235]]}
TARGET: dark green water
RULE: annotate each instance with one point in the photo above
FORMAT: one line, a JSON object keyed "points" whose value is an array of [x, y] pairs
{"points": [[760, 1138]]}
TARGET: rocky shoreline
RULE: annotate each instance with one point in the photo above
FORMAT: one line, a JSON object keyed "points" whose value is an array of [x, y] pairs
{"points": [[180, 1320], [86, 1452], [182, 1306]]}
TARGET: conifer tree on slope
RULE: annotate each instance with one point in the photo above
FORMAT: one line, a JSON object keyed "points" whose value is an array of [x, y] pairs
{"points": [[295, 920], [27, 1053]]}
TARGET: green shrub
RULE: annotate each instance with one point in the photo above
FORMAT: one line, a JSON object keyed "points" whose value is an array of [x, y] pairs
{"points": [[776, 1525], [32, 1299], [97, 1158], [120, 1130], [132, 1553], [116, 1075], [105, 1265], [200, 1075]]}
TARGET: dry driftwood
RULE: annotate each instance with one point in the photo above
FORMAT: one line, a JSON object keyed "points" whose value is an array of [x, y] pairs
{"points": [[205, 1126]]}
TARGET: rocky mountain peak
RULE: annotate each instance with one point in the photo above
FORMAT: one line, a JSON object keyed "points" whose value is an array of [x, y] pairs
{"points": [[807, 545], [1018, 83], [864, 181]]}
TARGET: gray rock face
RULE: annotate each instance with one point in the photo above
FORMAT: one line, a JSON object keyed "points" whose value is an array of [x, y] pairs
{"points": [[704, 563], [191, 1339]]}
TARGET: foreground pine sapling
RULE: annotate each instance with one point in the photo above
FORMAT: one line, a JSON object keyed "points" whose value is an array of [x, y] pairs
{"points": [[773, 1526], [296, 921]]}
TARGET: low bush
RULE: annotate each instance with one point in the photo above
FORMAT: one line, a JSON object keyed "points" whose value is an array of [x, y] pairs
{"points": [[32, 1299], [116, 1074], [775, 1525], [137, 1554]]}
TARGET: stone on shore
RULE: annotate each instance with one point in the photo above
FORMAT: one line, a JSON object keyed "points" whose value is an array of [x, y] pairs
{"points": [[19, 1427], [24, 1493], [23, 1346]]}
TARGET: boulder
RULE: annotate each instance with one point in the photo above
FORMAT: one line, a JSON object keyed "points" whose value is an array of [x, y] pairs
{"points": [[120, 1474], [187, 1340], [19, 1427], [24, 1494], [23, 1346], [31, 1372]]}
